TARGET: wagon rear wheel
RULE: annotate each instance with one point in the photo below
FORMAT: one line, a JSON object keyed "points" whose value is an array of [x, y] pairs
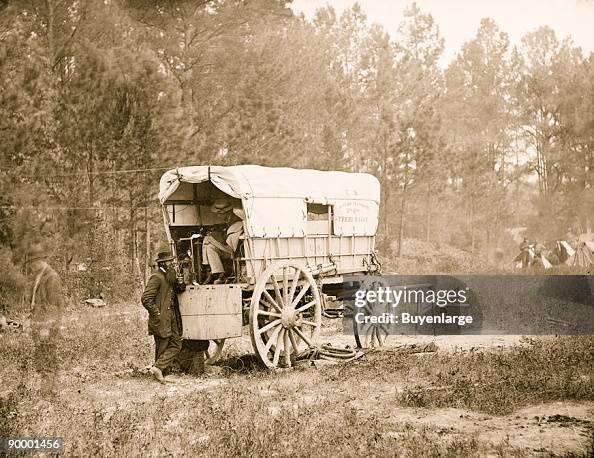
{"points": [[285, 314]]}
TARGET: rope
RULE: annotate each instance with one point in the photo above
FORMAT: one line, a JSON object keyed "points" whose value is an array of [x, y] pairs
{"points": [[329, 353], [33, 207], [333, 313], [98, 172]]}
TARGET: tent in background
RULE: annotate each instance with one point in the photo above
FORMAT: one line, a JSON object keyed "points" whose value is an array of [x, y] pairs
{"points": [[583, 255], [564, 251]]}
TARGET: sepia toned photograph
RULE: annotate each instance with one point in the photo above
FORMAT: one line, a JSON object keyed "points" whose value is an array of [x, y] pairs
{"points": [[306, 228]]}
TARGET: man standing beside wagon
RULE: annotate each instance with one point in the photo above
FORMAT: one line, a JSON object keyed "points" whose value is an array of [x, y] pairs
{"points": [[160, 300]]}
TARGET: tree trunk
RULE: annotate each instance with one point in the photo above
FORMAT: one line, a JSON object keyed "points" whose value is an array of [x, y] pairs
{"points": [[428, 216], [401, 224], [385, 211], [517, 199], [90, 166], [386, 194], [147, 260], [133, 236], [403, 208], [488, 244], [91, 234], [402, 219], [50, 30], [472, 232]]}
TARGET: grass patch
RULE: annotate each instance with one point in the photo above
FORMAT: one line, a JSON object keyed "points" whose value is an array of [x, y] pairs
{"points": [[497, 382], [237, 421], [343, 410]]}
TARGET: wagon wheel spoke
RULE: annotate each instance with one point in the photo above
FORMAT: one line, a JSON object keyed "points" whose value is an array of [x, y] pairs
{"points": [[382, 335], [379, 337], [272, 314], [273, 339], [310, 323], [375, 335], [368, 338], [278, 347], [293, 340], [269, 306], [304, 307], [277, 292], [269, 326], [300, 334], [271, 301], [294, 285], [286, 346], [285, 286], [304, 290]]}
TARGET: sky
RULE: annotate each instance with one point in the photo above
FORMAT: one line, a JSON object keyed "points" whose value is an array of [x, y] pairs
{"points": [[458, 20]]}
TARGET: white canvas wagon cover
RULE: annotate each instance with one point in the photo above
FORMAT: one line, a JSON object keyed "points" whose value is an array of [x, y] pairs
{"points": [[275, 198]]}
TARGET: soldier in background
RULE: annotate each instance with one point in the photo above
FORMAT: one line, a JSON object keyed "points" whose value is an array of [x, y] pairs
{"points": [[524, 255], [47, 307], [540, 249], [540, 252]]}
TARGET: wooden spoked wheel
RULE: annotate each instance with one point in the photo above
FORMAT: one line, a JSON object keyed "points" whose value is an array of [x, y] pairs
{"points": [[285, 314], [214, 356], [371, 335]]}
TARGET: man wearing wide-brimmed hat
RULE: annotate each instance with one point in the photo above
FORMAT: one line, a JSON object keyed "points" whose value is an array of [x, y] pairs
{"points": [[212, 249], [159, 298], [47, 307]]}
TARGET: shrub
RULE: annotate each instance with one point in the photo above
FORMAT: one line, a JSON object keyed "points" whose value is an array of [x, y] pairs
{"points": [[12, 283]]}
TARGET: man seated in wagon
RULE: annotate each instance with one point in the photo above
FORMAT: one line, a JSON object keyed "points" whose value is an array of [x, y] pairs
{"points": [[212, 249]]}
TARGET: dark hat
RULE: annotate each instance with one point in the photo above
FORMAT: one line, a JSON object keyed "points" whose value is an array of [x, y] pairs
{"points": [[163, 255], [221, 206], [34, 253]]}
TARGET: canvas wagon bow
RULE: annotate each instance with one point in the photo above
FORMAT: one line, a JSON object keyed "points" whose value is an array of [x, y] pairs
{"points": [[303, 230]]}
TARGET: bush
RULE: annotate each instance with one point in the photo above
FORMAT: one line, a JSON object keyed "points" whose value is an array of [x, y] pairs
{"points": [[12, 283], [420, 257]]}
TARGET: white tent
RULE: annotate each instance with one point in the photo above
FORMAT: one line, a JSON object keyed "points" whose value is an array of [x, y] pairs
{"points": [[567, 247], [583, 255], [275, 198]]}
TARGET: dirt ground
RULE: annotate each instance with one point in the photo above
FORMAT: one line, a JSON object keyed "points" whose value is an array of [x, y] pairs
{"points": [[558, 428], [90, 390]]}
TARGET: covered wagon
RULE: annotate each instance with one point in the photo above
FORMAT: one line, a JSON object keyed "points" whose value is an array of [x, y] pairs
{"points": [[297, 234]]}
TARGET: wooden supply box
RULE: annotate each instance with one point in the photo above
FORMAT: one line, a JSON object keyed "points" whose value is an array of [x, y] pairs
{"points": [[211, 311]]}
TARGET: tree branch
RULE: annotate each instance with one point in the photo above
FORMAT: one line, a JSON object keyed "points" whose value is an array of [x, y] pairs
{"points": [[61, 53]]}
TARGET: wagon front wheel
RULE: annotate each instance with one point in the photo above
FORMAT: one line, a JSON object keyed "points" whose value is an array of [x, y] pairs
{"points": [[285, 314], [371, 335]]}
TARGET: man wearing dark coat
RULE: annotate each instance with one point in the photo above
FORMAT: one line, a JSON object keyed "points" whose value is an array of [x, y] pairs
{"points": [[160, 299], [47, 307]]}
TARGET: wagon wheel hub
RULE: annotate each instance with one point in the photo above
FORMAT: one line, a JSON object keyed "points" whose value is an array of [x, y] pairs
{"points": [[289, 317]]}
